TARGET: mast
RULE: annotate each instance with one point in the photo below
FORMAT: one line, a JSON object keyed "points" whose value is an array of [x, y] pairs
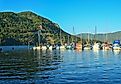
{"points": [[106, 37], [39, 31], [95, 33], [68, 40], [81, 38], [88, 38], [74, 35], [39, 37], [60, 38]]}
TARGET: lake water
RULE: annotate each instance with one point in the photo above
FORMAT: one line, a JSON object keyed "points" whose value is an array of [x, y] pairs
{"points": [[56, 67]]}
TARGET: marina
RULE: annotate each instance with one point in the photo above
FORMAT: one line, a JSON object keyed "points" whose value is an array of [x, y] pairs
{"points": [[60, 42], [71, 46]]}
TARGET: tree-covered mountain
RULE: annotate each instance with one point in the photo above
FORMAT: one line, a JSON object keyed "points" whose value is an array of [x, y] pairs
{"points": [[21, 29], [107, 37]]}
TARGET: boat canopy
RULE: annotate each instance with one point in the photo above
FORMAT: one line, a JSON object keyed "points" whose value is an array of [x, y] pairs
{"points": [[116, 42]]}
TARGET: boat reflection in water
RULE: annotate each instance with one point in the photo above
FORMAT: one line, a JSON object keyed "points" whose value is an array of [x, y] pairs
{"points": [[55, 66], [116, 52]]}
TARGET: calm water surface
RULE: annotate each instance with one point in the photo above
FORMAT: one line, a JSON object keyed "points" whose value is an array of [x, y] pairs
{"points": [[48, 67]]}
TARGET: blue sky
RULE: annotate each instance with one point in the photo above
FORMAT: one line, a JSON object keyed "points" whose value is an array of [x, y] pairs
{"points": [[83, 15]]}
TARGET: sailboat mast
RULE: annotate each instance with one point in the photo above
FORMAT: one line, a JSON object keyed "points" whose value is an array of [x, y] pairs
{"points": [[81, 38], [88, 38], [106, 38], [74, 35], [95, 33], [60, 38], [39, 31], [68, 40], [39, 37]]}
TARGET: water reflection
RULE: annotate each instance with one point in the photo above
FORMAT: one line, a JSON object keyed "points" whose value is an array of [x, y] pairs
{"points": [[60, 67], [116, 52], [28, 64]]}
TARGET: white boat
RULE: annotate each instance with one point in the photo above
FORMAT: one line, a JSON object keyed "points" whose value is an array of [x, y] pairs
{"points": [[61, 47], [87, 47], [68, 47], [96, 46], [44, 47], [116, 45], [39, 48], [36, 47], [50, 48]]}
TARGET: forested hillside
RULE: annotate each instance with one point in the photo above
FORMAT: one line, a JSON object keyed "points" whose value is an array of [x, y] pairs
{"points": [[21, 29]]}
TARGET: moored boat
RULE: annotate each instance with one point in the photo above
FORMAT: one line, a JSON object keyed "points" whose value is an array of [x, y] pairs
{"points": [[79, 46], [39, 48], [116, 45], [68, 47], [106, 46], [61, 47], [96, 46], [87, 47]]}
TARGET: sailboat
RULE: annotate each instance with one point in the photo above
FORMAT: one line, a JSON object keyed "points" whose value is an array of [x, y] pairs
{"points": [[79, 45], [39, 44], [71, 45], [96, 45], [68, 45], [74, 40], [60, 45], [116, 45], [87, 46], [106, 45]]}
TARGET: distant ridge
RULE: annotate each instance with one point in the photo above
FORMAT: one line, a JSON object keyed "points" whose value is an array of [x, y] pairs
{"points": [[110, 37]]}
